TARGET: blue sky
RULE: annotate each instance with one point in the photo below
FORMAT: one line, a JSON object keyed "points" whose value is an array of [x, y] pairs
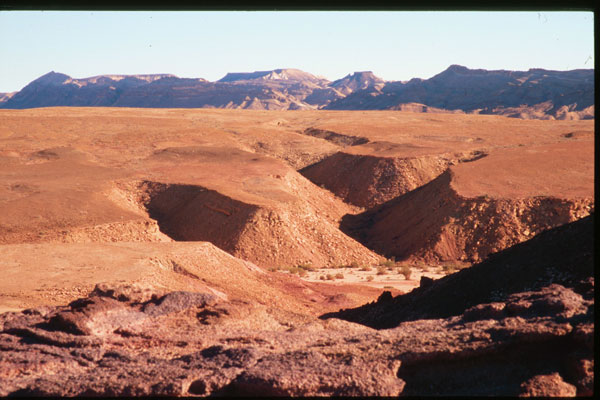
{"points": [[394, 45]]}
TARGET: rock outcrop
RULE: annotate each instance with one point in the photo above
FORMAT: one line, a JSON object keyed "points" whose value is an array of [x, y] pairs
{"points": [[119, 342]]}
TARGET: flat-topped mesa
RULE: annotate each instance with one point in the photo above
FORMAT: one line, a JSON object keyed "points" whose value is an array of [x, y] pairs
{"points": [[108, 79], [286, 74], [55, 78], [478, 208], [69, 178]]}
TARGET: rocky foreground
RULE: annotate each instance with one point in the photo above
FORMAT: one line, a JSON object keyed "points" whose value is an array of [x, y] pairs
{"points": [[521, 323]]}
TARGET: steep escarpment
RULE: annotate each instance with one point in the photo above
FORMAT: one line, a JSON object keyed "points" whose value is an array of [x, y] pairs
{"points": [[453, 227], [562, 255], [269, 235], [370, 180], [484, 205]]}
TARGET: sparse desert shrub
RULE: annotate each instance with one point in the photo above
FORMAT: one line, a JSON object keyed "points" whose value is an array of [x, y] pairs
{"points": [[452, 267], [381, 271], [387, 263], [354, 264], [329, 277], [293, 270], [306, 267], [339, 275], [370, 278], [322, 277], [365, 268], [406, 271], [274, 269]]}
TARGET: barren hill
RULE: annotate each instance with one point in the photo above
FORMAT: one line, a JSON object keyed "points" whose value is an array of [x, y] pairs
{"points": [[467, 217], [240, 181], [536, 93], [155, 250]]}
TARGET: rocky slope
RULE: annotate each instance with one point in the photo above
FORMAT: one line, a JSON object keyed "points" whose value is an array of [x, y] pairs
{"points": [[535, 93], [369, 180], [465, 217], [492, 340]]}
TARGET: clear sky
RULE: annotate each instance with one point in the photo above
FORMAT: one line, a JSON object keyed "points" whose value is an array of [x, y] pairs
{"points": [[394, 45]]}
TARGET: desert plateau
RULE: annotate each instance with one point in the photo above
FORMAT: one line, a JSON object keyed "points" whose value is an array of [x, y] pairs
{"points": [[233, 252]]}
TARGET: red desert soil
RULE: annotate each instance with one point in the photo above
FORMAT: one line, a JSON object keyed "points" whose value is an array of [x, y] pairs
{"points": [[138, 247], [478, 208], [55, 274], [75, 175]]}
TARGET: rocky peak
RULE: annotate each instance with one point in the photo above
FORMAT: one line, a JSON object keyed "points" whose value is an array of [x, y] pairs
{"points": [[52, 78], [357, 81], [457, 69]]}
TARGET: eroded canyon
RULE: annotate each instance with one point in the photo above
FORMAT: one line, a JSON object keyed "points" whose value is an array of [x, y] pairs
{"points": [[233, 252]]}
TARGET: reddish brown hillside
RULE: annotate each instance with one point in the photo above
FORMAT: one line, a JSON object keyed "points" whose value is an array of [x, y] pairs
{"points": [[478, 208], [368, 180], [562, 255]]}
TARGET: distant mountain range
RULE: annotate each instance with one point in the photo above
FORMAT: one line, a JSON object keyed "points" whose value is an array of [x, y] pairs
{"points": [[536, 93]]}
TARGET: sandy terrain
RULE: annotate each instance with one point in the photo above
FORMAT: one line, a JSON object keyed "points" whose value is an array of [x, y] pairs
{"points": [[198, 252], [230, 177]]}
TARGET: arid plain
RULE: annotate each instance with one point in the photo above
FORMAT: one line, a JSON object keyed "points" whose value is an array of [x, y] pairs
{"points": [[262, 222]]}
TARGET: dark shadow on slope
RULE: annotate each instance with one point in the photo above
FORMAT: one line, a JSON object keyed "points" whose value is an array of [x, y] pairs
{"points": [[194, 213], [498, 373], [336, 138], [378, 228], [563, 255]]}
